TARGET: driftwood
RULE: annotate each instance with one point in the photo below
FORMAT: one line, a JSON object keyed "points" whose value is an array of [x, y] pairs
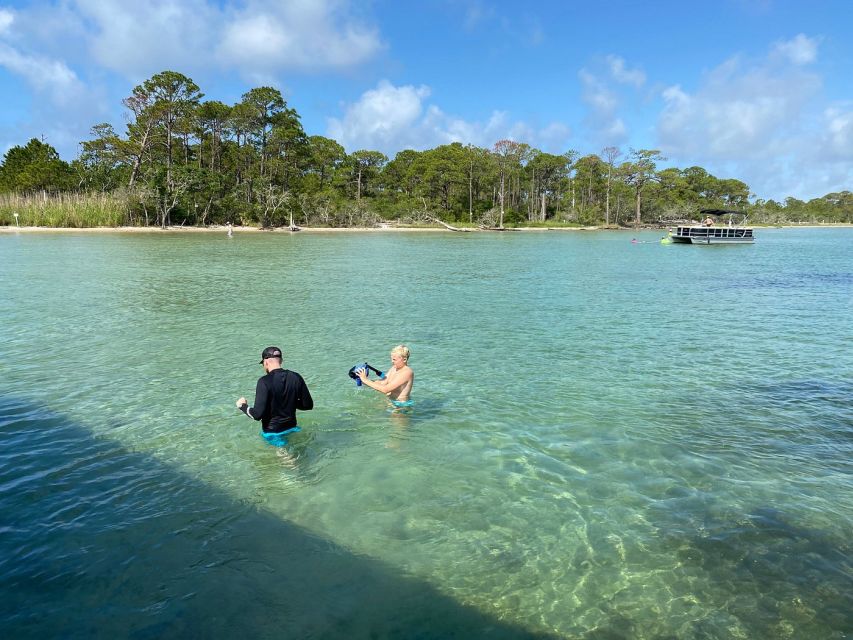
{"points": [[447, 226], [484, 228]]}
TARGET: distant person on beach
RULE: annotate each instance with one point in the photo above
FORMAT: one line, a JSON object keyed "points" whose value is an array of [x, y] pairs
{"points": [[708, 222], [398, 381], [278, 395], [230, 230]]}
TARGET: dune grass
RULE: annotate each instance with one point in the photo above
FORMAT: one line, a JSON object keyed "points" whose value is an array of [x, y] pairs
{"points": [[73, 210]]}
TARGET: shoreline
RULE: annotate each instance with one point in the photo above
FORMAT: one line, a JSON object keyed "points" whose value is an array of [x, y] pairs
{"points": [[394, 229], [280, 230]]}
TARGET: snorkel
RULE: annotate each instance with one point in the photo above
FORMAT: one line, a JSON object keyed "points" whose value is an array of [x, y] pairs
{"points": [[353, 373]]}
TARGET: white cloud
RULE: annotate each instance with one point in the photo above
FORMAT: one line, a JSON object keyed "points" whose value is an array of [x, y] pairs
{"points": [[607, 85], [255, 37], [621, 73], [47, 76], [601, 122], [557, 134], [390, 118], [139, 39], [839, 131], [47, 45], [302, 35], [756, 120], [382, 118], [736, 113], [800, 50], [63, 107], [596, 94], [6, 20]]}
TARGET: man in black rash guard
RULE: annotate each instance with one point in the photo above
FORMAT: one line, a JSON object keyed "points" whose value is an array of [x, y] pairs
{"points": [[277, 397]]}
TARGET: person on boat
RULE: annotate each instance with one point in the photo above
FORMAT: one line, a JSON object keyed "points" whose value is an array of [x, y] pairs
{"points": [[708, 222], [278, 395], [398, 381]]}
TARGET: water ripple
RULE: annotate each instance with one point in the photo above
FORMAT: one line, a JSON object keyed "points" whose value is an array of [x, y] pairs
{"points": [[604, 443]]}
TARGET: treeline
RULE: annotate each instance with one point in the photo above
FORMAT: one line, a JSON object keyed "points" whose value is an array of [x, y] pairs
{"points": [[186, 160]]}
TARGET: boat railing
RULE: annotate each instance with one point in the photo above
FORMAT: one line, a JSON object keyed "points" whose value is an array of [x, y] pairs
{"points": [[713, 232]]}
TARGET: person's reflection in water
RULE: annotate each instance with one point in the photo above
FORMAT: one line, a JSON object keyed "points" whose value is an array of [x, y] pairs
{"points": [[287, 458], [296, 455], [400, 422]]}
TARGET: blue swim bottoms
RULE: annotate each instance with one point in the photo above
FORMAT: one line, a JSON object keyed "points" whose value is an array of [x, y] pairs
{"points": [[402, 403], [278, 439]]}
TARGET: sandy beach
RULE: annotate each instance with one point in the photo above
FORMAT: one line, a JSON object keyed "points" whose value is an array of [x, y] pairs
{"points": [[236, 230], [384, 229]]}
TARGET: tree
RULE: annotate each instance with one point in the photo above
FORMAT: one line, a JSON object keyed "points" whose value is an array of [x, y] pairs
{"points": [[324, 157], [262, 105], [639, 172], [172, 97], [289, 148], [212, 118], [546, 172], [401, 173], [610, 155], [590, 180], [365, 166], [102, 158], [139, 130], [472, 154], [199, 161], [442, 173], [734, 192], [698, 181], [508, 154], [271, 144], [34, 167]]}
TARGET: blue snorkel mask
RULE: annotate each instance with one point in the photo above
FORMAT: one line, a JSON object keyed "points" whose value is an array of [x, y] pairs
{"points": [[353, 373]]}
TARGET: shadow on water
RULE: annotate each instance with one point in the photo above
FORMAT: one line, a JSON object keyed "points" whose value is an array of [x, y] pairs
{"points": [[98, 541]]}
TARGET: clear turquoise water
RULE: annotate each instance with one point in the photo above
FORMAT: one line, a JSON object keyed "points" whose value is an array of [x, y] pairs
{"points": [[609, 440]]}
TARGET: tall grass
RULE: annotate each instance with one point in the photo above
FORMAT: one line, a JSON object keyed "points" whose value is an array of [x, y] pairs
{"points": [[73, 210]]}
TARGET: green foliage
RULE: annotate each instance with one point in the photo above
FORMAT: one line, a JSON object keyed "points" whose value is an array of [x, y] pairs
{"points": [[185, 161], [72, 210], [34, 167]]}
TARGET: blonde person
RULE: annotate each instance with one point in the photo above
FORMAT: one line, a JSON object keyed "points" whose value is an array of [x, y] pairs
{"points": [[398, 381]]}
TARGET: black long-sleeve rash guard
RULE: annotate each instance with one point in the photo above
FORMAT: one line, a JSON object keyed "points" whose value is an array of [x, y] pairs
{"points": [[277, 397]]}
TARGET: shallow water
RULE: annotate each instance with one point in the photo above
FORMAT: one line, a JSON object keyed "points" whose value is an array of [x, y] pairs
{"points": [[608, 440]]}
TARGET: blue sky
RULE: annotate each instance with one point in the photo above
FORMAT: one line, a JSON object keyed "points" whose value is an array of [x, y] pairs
{"points": [[758, 90]]}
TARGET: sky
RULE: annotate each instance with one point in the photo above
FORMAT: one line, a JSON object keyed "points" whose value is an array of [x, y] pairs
{"points": [[758, 90]]}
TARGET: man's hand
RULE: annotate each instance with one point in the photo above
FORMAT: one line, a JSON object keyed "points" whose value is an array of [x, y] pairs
{"points": [[241, 402]]}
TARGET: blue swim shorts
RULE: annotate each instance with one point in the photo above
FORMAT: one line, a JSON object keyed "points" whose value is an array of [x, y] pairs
{"points": [[402, 403], [279, 439]]}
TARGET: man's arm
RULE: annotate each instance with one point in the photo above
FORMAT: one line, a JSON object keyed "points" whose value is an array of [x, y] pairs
{"points": [[256, 412], [304, 401], [394, 381]]}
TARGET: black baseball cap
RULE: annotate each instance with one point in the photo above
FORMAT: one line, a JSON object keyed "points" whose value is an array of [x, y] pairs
{"points": [[270, 352]]}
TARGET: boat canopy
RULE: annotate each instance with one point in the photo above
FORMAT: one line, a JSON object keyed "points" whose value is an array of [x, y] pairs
{"points": [[720, 212]]}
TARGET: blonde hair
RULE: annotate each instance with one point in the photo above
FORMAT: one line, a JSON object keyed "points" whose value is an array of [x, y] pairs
{"points": [[402, 351]]}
